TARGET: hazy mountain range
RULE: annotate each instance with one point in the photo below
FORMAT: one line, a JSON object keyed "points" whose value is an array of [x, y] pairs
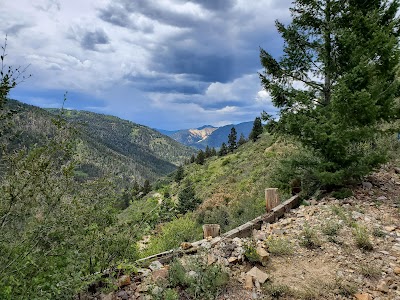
{"points": [[208, 135]]}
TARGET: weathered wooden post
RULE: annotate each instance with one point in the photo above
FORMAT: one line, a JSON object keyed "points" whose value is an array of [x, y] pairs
{"points": [[212, 230], [271, 198]]}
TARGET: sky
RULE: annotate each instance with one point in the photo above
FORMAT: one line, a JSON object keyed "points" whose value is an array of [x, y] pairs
{"points": [[168, 64]]}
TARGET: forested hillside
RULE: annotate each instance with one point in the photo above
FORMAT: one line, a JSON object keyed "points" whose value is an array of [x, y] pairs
{"points": [[106, 145]]}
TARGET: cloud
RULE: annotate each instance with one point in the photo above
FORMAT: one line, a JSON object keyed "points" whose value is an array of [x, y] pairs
{"points": [[167, 63]]}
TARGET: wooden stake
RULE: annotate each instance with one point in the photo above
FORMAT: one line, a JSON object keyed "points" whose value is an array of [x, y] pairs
{"points": [[212, 230], [271, 198]]}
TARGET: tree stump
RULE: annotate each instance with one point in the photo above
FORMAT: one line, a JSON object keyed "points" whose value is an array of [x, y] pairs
{"points": [[271, 198], [212, 230]]}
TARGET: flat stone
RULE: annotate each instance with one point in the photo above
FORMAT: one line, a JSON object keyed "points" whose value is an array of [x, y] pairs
{"points": [[124, 280], [396, 270], [161, 274], [248, 284], [382, 287], [367, 185], [381, 198], [390, 228], [363, 296], [155, 265], [233, 260], [257, 274]]}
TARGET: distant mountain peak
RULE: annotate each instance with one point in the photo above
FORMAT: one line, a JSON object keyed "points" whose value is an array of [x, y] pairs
{"points": [[206, 126]]}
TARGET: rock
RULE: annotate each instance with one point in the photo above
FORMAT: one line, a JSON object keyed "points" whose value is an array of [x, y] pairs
{"points": [[161, 274], [397, 270], [155, 265], [124, 280], [257, 274], [107, 297], [259, 235], [264, 255], [390, 228], [397, 170], [382, 287], [381, 198], [233, 260], [367, 185], [248, 285], [123, 295], [363, 296], [186, 246], [211, 259], [192, 274]]}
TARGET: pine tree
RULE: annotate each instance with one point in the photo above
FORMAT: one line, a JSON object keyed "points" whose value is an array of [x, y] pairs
{"points": [[344, 54], [256, 130], [179, 174], [242, 140], [146, 187], [208, 152], [223, 150], [232, 140], [192, 159], [200, 157], [213, 152], [187, 198]]}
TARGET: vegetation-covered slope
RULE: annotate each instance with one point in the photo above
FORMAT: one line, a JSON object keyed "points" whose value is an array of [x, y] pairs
{"points": [[107, 145]]}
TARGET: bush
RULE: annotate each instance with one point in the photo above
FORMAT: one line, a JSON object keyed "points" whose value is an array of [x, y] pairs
{"points": [[331, 229], [276, 291], [251, 253], [172, 234], [197, 279], [279, 246], [342, 193]]}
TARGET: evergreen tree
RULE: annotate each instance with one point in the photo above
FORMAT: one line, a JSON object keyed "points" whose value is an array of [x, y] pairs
{"points": [[208, 152], [232, 140], [179, 174], [187, 198], [242, 140], [192, 159], [223, 150], [344, 54], [146, 187], [200, 157], [256, 130], [213, 152]]}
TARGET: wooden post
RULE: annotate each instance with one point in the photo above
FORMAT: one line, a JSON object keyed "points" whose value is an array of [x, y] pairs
{"points": [[271, 198], [212, 230]]}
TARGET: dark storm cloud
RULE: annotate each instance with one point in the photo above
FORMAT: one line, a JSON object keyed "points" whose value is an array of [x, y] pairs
{"points": [[217, 5], [16, 28], [93, 38]]}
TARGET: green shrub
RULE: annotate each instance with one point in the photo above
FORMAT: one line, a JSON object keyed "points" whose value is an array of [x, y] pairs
{"points": [[370, 271], [251, 253], [378, 232], [331, 228], [184, 229], [342, 193], [279, 246], [205, 282], [276, 291]]}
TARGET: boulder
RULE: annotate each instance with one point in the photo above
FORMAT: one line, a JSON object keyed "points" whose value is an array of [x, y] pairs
{"points": [[363, 296], [258, 275], [124, 280], [161, 274], [264, 255], [248, 285], [155, 265], [186, 246]]}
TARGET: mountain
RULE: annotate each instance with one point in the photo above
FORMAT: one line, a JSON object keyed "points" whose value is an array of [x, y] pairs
{"points": [[208, 135], [106, 145]]}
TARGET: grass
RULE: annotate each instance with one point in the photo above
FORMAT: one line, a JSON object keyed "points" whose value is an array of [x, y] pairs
{"points": [[309, 238], [276, 291], [370, 271], [279, 246], [331, 229], [361, 237]]}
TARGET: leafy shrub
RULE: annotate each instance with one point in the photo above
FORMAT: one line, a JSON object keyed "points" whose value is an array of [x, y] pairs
{"points": [[251, 253], [342, 193], [184, 229], [197, 279], [279, 246]]}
